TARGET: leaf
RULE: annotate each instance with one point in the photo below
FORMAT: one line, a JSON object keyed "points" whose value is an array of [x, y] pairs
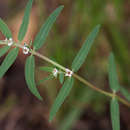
{"points": [[61, 78], [113, 80], [83, 52], [70, 118], [47, 78], [115, 115], [8, 61], [76, 110], [29, 76], [125, 93], [24, 25], [41, 36], [64, 92], [47, 69], [4, 29], [4, 50]]}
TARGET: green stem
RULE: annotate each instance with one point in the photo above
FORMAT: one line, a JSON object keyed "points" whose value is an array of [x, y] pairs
{"points": [[47, 59], [74, 75], [81, 79], [92, 86]]}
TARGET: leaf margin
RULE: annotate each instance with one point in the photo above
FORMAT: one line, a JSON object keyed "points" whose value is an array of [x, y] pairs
{"points": [[30, 76]]}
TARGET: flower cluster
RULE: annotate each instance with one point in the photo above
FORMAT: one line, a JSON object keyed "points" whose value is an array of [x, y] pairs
{"points": [[68, 72], [25, 49], [10, 41], [55, 72]]}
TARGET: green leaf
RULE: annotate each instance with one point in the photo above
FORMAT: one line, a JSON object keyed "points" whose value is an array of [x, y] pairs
{"points": [[4, 50], [41, 36], [115, 115], [61, 78], [113, 79], [47, 69], [4, 29], [125, 93], [64, 92], [83, 52], [70, 119], [45, 79], [24, 25], [29, 76], [8, 61], [85, 96]]}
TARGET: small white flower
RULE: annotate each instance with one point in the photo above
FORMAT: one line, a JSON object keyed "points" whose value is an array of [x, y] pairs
{"points": [[55, 72], [68, 73], [25, 49], [10, 41]]}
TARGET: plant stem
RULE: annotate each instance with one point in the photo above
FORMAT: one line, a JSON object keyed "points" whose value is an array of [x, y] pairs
{"points": [[81, 79], [123, 101], [48, 60], [33, 52]]}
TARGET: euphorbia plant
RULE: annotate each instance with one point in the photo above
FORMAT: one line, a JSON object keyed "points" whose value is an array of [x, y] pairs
{"points": [[64, 75]]}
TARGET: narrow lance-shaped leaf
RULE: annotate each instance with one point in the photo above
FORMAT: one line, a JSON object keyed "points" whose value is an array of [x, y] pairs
{"points": [[125, 93], [46, 68], [4, 50], [8, 61], [70, 118], [113, 79], [83, 52], [45, 79], [24, 25], [61, 78], [76, 110], [41, 36], [29, 76], [115, 115], [4, 29], [64, 92]]}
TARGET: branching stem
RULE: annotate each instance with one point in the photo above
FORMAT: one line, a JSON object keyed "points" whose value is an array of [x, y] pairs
{"points": [[33, 52]]}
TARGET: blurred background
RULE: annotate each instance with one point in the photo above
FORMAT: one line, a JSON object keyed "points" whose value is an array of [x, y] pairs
{"points": [[84, 109]]}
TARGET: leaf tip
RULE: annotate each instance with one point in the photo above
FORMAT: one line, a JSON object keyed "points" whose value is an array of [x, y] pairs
{"points": [[40, 98], [98, 26], [111, 56], [50, 120], [50, 117], [61, 6]]}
